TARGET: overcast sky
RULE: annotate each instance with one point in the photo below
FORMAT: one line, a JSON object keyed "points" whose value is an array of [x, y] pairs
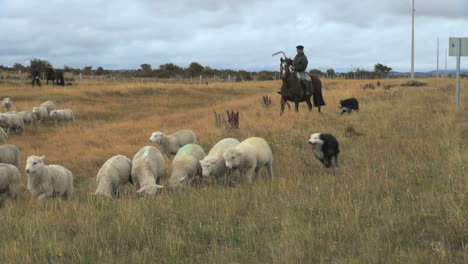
{"points": [[237, 34]]}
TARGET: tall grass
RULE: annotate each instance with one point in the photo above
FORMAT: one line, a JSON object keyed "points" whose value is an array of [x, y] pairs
{"points": [[399, 195]]}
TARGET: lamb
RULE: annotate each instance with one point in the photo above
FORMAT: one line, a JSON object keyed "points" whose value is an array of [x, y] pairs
{"points": [[348, 105], [49, 105], [186, 165], [3, 135], [48, 181], [10, 154], [172, 143], [28, 117], [7, 103], [12, 122], [40, 113], [62, 115], [250, 156], [115, 172], [325, 148], [9, 180], [148, 167], [214, 164]]}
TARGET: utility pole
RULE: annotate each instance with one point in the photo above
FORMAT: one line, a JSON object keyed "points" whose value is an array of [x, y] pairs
{"points": [[437, 57], [412, 44], [445, 73]]}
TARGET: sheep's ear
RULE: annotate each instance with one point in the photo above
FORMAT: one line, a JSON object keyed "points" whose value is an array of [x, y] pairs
{"points": [[43, 157], [159, 186], [142, 189]]}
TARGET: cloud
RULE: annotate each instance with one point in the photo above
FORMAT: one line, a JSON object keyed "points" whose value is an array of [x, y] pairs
{"points": [[226, 34]]}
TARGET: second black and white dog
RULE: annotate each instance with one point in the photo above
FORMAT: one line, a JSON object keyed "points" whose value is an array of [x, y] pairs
{"points": [[348, 105], [326, 148]]}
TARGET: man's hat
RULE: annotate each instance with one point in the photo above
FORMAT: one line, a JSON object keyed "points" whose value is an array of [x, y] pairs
{"points": [[300, 47]]}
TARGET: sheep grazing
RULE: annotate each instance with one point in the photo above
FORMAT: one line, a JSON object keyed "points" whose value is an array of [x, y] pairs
{"points": [[48, 181], [148, 167], [348, 105], [40, 113], [28, 117], [214, 164], [49, 105], [186, 165], [3, 135], [172, 143], [9, 180], [10, 154], [325, 148], [62, 115], [114, 173], [7, 103], [12, 122], [250, 156]]}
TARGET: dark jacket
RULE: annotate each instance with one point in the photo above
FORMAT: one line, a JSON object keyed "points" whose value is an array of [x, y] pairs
{"points": [[300, 62]]}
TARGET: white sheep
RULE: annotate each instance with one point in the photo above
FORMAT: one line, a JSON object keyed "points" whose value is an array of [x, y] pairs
{"points": [[249, 157], [10, 154], [62, 115], [186, 165], [148, 167], [3, 135], [9, 180], [214, 164], [49, 105], [172, 143], [7, 103], [114, 173], [12, 122], [48, 181], [28, 117], [40, 113]]}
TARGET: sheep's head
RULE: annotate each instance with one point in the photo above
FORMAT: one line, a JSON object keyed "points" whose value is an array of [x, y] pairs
{"points": [[208, 165], [53, 113], [339, 104], [232, 156], [2, 118], [315, 141], [150, 189], [156, 137], [34, 163]]}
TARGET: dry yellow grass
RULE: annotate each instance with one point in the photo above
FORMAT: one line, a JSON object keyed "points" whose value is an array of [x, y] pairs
{"points": [[398, 197]]}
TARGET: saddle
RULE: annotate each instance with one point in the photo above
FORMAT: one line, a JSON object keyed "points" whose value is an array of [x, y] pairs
{"points": [[307, 75], [307, 83]]}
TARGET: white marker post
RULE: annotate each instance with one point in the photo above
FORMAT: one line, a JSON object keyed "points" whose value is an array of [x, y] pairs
{"points": [[458, 47]]}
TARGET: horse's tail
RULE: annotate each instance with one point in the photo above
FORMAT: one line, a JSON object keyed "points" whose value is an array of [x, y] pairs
{"points": [[317, 94]]}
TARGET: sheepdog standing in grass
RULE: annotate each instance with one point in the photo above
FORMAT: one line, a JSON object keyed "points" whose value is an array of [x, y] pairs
{"points": [[325, 148]]}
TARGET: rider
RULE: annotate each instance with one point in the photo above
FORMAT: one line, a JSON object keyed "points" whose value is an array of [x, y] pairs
{"points": [[300, 65]]}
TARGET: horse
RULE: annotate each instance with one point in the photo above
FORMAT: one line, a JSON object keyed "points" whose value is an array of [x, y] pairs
{"points": [[50, 74], [291, 88]]}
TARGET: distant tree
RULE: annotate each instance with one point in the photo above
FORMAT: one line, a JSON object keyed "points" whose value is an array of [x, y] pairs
{"points": [[195, 69], [146, 67], [331, 73], [41, 65], [170, 69], [87, 69], [316, 72], [19, 67], [67, 68], [265, 76], [100, 71], [381, 69]]}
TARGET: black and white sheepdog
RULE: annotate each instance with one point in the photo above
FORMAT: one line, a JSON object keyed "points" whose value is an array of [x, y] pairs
{"points": [[325, 148], [348, 105]]}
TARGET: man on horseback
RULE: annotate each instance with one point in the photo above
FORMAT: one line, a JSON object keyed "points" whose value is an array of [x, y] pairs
{"points": [[300, 65]]}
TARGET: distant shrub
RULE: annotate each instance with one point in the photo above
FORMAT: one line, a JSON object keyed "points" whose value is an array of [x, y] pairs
{"points": [[413, 83]]}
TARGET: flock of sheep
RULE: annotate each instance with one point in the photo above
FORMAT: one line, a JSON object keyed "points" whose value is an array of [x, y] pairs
{"points": [[147, 168], [15, 122]]}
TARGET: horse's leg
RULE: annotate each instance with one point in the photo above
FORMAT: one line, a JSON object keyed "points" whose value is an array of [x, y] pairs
{"points": [[283, 102], [309, 104]]}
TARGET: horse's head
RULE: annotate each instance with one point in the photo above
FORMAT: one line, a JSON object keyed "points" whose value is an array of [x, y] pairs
{"points": [[285, 67]]}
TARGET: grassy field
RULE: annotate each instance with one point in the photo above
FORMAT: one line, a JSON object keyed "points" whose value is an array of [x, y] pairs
{"points": [[399, 195]]}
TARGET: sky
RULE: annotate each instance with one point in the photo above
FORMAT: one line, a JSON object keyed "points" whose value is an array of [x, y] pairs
{"points": [[235, 34]]}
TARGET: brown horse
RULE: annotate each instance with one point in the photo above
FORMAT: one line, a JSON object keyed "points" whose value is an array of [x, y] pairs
{"points": [[291, 89]]}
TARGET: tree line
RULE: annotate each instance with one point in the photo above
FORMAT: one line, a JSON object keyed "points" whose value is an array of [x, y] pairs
{"points": [[194, 70]]}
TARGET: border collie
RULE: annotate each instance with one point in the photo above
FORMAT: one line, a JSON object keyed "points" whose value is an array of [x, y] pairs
{"points": [[325, 148], [348, 105]]}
